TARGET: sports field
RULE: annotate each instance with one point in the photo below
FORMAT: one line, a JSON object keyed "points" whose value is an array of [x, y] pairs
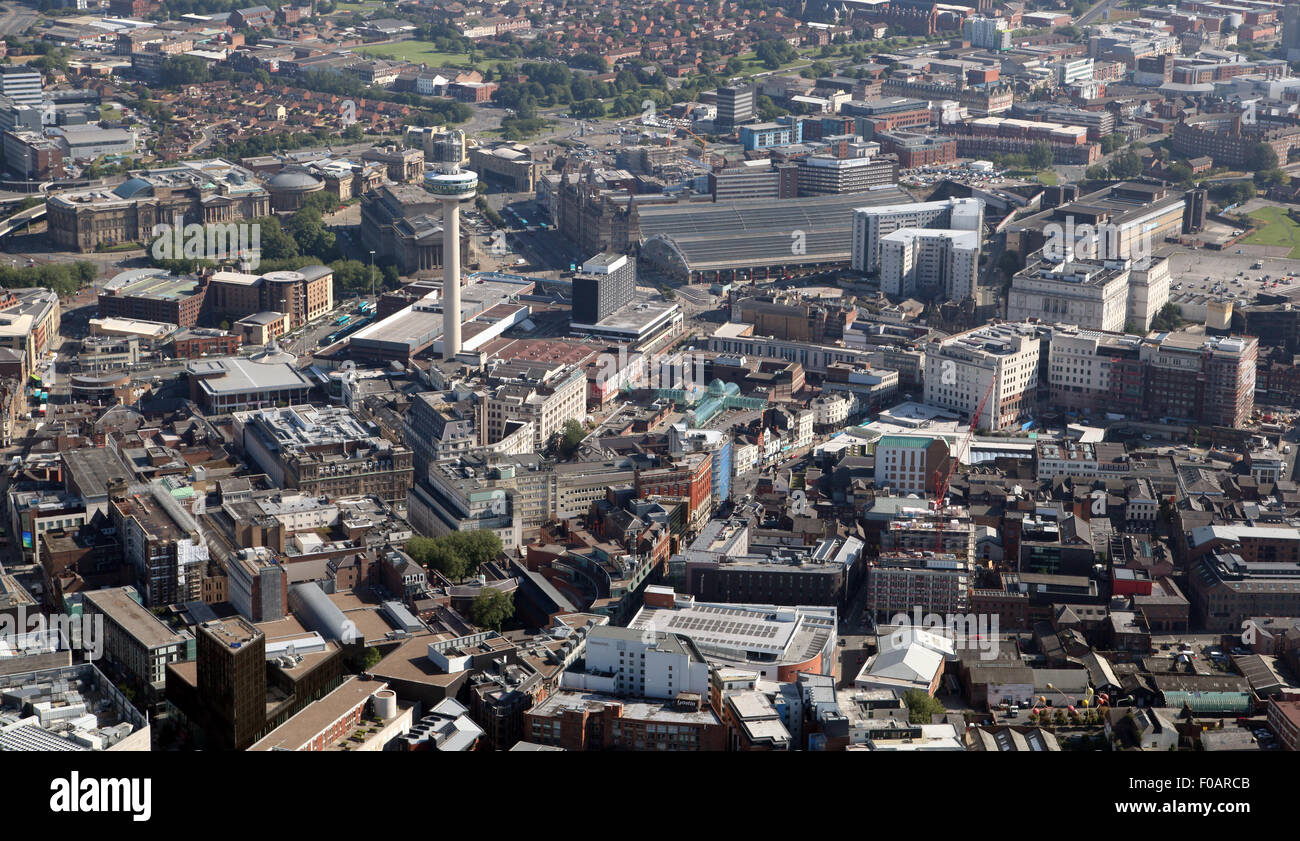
{"points": [[1274, 227], [420, 52]]}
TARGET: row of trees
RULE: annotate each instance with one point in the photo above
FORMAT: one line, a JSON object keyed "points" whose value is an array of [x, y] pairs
{"points": [[1126, 164], [304, 240], [1038, 157], [65, 279], [457, 555], [550, 84]]}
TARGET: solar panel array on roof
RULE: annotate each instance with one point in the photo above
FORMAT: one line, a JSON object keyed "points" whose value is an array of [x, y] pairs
{"points": [[722, 626]]}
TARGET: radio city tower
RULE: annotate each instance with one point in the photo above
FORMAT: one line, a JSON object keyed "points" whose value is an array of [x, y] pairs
{"points": [[451, 185]]}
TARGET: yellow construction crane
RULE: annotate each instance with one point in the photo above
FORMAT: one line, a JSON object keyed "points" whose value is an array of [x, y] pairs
{"points": [[705, 156]]}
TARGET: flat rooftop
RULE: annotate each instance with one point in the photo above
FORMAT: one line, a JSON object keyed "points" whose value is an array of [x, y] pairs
{"points": [[746, 630], [235, 375], [135, 619], [93, 468], [641, 710], [645, 311], [306, 725], [154, 284], [234, 631]]}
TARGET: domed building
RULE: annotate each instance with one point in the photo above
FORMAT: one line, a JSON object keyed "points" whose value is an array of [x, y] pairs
{"points": [[273, 354], [290, 187]]}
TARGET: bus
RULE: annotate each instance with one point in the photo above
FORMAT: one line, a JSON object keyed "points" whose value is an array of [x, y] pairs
{"points": [[341, 320], [365, 308]]}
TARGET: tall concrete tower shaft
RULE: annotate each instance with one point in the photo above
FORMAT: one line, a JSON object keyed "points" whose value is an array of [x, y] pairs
{"points": [[450, 278], [452, 187]]}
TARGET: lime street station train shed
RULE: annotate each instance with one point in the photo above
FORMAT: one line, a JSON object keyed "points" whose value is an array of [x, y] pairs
{"points": [[703, 242]]}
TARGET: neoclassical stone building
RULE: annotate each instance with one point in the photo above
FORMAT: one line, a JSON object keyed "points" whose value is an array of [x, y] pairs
{"points": [[203, 192]]}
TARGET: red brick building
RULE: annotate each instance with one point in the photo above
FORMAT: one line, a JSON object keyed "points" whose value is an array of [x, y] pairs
{"points": [[582, 721], [1284, 721], [915, 150], [192, 343], [691, 479], [472, 91]]}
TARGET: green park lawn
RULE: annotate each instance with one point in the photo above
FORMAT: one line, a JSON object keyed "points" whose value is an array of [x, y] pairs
{"points": [[425, 52], [1274, 227]]}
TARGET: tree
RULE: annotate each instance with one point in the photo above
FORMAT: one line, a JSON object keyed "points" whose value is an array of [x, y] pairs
{"points": [[1126, 165], [1096, 173], [1039, 156], [183, 70], [1266, 178], [775, 52], [769, 110], [921, 707], [590, 61], [476, 547], [1230, 193], [588, 109], [1260, 157], [570, 437], [1169, 318], [420, 548], [456, 555], [447, 561], [1181, 174], [492, 608]]}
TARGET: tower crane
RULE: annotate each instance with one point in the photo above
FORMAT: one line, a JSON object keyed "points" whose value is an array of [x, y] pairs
{"points": [[705, 156]]}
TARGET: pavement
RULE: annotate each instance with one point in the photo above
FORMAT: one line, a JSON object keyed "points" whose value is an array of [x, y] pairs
{"points": [[1200, 272]]}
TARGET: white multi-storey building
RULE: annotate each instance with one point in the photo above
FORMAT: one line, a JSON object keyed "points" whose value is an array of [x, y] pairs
{"points": [[872, 224], [1092, 295], [832, 409], [916, 261], [22, 84], [1073, 71], [987, 33], [1148, 291], [641, 664], [909, 463], [1000, 360], [546, 403]]}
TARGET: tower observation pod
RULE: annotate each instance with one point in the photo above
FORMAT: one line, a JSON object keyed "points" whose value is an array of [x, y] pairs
{"points": [[451, 187]]}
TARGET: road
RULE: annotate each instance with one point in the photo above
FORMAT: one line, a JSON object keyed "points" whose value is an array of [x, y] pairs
{"points": [[205, 137], [1092, 14], [14, 20]]}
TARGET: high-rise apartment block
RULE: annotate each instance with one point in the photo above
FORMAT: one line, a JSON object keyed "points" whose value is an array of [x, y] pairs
{"points": [[872, 224], [915, 262], [606, 283], [735, 106]]}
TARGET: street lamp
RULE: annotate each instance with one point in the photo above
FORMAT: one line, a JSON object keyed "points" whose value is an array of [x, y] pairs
{"points": [[372, 274]]}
